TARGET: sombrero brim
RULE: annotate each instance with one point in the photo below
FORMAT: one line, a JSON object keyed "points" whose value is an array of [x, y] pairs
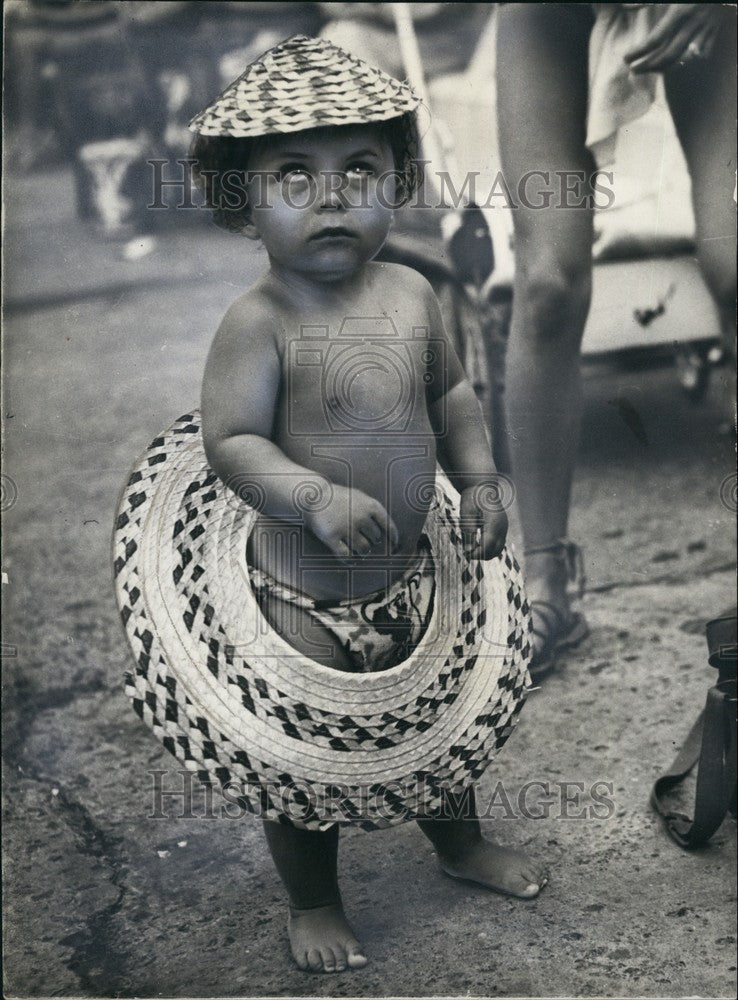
{"points": [[300, 84], [236, 703]]}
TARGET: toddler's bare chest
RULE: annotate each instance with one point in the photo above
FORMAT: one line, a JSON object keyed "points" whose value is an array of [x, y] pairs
{"points": [[360, 376]]}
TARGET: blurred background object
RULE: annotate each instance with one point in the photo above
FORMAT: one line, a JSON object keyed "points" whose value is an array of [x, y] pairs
{"points": [[98, 88], [103, 86]]}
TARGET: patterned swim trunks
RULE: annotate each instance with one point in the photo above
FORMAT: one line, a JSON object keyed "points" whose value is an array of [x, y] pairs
{"points": [[377, 630]]}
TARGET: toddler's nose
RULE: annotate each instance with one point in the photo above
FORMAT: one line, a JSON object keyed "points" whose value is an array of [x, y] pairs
{"points": [[332, 190]]}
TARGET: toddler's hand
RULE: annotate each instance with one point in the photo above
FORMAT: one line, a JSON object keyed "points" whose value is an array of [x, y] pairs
{"points": [[354, 524], [483, 521]]}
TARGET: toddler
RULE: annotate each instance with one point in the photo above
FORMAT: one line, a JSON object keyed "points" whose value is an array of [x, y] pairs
{"points": [[330, 396]]}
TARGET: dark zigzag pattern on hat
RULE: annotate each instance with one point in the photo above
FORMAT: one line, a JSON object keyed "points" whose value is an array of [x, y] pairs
{"points": [[241, 769], [465, 755], [473, 761], [199, 751], [304, 83], [473, 757]]}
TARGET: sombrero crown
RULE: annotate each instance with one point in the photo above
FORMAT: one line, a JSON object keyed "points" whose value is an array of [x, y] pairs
{"points": [[304, 83]]}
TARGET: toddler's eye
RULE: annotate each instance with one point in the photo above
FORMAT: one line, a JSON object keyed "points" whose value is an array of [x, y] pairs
{"points": [[293, 172], [360, 169]]}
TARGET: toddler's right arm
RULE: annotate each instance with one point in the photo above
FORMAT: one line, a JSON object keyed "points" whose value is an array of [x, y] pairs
{"points": [[239, 398], [240, 393]]}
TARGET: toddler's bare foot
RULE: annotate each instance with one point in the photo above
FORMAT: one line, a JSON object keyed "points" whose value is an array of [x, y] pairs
{"points": [[501, 869], [322, 941]]}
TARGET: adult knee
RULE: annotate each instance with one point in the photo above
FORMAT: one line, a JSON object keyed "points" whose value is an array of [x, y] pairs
{"points": [[553, 298], [720, 276]]}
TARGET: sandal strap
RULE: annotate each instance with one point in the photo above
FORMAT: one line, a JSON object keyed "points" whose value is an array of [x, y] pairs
{"points": [[570, 554], [552, 619]]}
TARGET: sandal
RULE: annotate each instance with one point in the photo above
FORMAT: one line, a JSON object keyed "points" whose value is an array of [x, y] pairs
{"points": [[557, 630]]}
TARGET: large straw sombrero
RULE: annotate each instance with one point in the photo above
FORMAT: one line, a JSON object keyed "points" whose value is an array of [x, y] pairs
{"points": [[238, 705], [300, 84]]}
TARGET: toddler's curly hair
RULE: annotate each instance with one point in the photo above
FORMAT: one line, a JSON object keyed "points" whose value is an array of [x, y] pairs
{"points": [[218, 160]]}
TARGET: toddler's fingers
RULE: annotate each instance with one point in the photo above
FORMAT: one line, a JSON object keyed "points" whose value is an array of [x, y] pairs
{"points": [[362, 545], [341, 550], [677, 51], [388, 528], [493, 546], [705, 41], [494, 535], [470, 532], [371, 527], [394, 536]]}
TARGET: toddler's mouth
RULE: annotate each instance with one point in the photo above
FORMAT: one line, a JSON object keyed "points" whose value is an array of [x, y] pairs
{"points": [[332, 233]]}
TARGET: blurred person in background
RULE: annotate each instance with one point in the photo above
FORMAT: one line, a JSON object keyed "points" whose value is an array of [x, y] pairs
{"points": [[107, 86]]}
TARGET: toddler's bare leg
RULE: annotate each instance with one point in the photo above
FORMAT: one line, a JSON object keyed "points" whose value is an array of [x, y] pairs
{"points": [[320, 936], [464, 853]]}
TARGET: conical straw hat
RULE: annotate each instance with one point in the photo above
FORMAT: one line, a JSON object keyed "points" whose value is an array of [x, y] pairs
{"points": [[300, 84], [237, 705]]}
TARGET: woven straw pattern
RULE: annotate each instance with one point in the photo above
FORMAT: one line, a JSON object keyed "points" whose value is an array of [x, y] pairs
{"points": [[236, 703], [300, 84]]}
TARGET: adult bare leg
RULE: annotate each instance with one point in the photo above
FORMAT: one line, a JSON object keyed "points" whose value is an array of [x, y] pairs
{"points": [[542, 102], [702, 99]]}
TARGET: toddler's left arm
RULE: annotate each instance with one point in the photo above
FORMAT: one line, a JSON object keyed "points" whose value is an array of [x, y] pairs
{"points": [[463, 449]]}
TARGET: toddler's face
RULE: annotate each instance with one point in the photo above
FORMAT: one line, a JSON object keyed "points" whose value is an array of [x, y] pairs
{"points": [[321, 201]]}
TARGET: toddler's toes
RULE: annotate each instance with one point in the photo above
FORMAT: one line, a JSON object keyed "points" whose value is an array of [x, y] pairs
{"points": [[501, 869], [322, 941], [532, 881], [541, 876], [355, 956], [315, 961], [340, 956]]}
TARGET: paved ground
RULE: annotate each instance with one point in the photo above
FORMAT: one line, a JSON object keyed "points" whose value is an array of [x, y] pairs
{"points": [[102, 901]]}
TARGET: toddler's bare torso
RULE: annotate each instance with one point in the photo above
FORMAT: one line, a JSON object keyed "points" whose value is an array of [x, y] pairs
{"points": [[352, 408]]}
